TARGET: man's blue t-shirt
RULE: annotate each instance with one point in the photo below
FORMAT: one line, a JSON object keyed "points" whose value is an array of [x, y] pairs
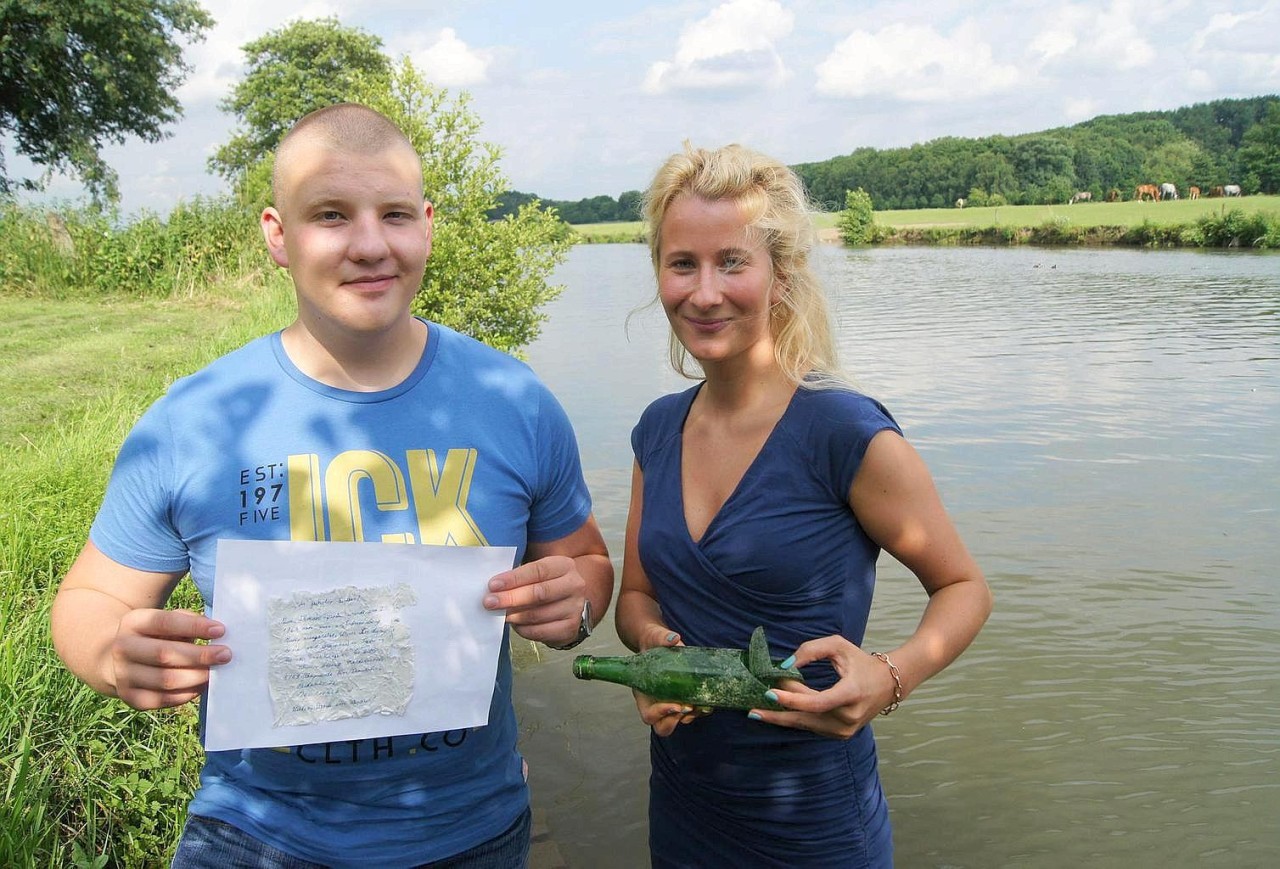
{"points": [[471, 449]]}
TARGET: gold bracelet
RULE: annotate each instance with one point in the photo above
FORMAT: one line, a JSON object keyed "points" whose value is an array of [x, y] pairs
{"points": [[897, 683]]}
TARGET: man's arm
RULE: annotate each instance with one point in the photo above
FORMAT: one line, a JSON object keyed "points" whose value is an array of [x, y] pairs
{"points": [[110, 630], [543, 597]]}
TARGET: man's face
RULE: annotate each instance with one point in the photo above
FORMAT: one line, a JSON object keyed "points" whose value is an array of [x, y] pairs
{"points": [[354, 231]]}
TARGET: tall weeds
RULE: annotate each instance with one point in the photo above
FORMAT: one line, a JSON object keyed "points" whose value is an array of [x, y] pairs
{"points": [[70, 253]]}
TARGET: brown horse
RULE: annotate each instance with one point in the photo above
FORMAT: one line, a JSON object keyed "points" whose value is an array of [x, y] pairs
{"points": [[1113, 195], [1146, 191], [1193, 193]]}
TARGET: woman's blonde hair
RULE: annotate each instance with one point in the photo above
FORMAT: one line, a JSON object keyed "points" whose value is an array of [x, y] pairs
{"points": [[773, 203]]}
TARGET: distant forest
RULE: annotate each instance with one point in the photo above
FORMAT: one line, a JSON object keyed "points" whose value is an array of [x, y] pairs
{"points": [[1206, 145]]}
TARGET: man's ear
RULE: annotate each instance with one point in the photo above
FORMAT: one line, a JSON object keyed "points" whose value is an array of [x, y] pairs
{"points": [[429, 212], [273, 232]]}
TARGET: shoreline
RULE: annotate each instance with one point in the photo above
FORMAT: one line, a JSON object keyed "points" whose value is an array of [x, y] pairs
{"points": [[1250, 222]]}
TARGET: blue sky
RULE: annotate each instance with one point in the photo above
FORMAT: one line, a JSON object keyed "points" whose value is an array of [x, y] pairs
{"points": [[587, 98]]}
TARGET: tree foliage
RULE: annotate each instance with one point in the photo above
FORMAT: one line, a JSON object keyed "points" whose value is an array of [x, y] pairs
{"points": [[1260, 153], [1204, 145], [857, 222], [291, 71], [594, 209], [76, 75], [486, 278]]}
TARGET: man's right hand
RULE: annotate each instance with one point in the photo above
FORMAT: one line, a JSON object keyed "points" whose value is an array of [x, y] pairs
{"points": [[156, 660], [110, 628]]}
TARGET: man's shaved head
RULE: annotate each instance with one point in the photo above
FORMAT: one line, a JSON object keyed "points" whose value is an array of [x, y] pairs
{"points": [[348, 127]]}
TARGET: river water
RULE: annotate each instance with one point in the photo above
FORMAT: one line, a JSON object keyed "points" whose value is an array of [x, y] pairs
{"points": [[1104, 426]]}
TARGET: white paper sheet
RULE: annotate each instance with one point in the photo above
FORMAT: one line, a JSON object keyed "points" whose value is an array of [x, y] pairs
{"points": [[340, 641]]}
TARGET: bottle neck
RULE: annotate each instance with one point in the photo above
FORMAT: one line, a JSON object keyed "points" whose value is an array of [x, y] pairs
{"points": [[604, 667]]}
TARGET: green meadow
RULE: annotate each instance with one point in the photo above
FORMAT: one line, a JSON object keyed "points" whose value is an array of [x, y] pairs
{"points": [[933, 225]]}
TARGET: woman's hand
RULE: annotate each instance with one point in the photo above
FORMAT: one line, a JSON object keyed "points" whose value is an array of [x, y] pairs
{"points": [[865, 687], [662, 715]]}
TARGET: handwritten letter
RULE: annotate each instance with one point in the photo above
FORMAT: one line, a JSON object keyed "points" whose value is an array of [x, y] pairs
{"points": [[340, 654]]}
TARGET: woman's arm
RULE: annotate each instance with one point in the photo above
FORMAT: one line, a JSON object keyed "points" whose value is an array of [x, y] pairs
{"points": [[897, 504], [639, 621]]}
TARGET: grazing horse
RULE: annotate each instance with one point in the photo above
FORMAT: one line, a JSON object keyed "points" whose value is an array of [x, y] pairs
{"points": [[1082, 196], [960, 203], [1168, 191], [1231, 190], [1113, 195], [1146, 191], [1216, 191], [1193, 193]]}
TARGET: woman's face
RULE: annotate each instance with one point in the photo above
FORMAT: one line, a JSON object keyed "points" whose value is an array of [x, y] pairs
{"points": [[715, 282]]}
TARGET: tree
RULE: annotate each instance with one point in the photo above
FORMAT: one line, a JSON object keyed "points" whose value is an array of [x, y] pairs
{"points": [[1173, 162], [486, 278], [77, 75], [629, 205], [1260, 153], [296, 69], [857, 223]]}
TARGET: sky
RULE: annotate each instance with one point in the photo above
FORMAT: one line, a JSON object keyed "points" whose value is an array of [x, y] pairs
{"points": [[587, 97]]}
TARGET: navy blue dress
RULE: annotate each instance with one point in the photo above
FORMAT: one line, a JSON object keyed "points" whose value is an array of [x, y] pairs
{"points": [[785, 551]]}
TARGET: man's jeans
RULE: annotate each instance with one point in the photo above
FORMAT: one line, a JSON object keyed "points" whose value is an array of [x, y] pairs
{"points": [[210, 844]]}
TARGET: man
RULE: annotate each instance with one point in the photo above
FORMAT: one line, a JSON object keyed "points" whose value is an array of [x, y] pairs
{"points": [[356, 422]]}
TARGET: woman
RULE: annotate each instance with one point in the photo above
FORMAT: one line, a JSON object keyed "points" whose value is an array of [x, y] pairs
{"points": [[763, 496]]}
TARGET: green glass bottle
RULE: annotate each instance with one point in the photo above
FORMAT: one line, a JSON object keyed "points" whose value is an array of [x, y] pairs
{"points": [[695, 675]]}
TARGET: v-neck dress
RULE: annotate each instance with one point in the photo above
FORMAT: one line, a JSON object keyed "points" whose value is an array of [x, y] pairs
{"points": [[786, 552]]}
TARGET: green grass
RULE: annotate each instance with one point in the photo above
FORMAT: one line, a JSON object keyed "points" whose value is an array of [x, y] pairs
{"points": [[86, 780], [1088, 214], [1085, 214], [623, 232], [60, 355]]}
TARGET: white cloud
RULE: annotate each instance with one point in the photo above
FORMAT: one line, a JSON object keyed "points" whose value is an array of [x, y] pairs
{"points": [[448, 61], [217, 61], [732, 48], [1223, 22], [1080, 109], [1239, 52], [1109, 37], [916, 63]]}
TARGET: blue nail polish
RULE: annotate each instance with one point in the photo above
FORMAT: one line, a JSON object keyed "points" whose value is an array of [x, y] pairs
{"points": [[671, 637], [789, 663], [754, 716], [771, 696]]}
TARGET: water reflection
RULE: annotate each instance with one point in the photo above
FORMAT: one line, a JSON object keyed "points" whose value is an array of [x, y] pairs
{"points": [[1103, 425]]}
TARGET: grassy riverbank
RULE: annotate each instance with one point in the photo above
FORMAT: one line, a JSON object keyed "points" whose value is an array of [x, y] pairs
{"points": [[1155, 223], [87, 781]]}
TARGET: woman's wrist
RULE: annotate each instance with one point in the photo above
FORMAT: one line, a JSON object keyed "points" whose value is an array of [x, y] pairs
{"points": [[897, 682]]}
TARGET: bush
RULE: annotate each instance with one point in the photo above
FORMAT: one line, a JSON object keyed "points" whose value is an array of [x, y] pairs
{"points": [[74, 252], [1234, 228], [857, 223], [202, 241], [38, 252]]}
